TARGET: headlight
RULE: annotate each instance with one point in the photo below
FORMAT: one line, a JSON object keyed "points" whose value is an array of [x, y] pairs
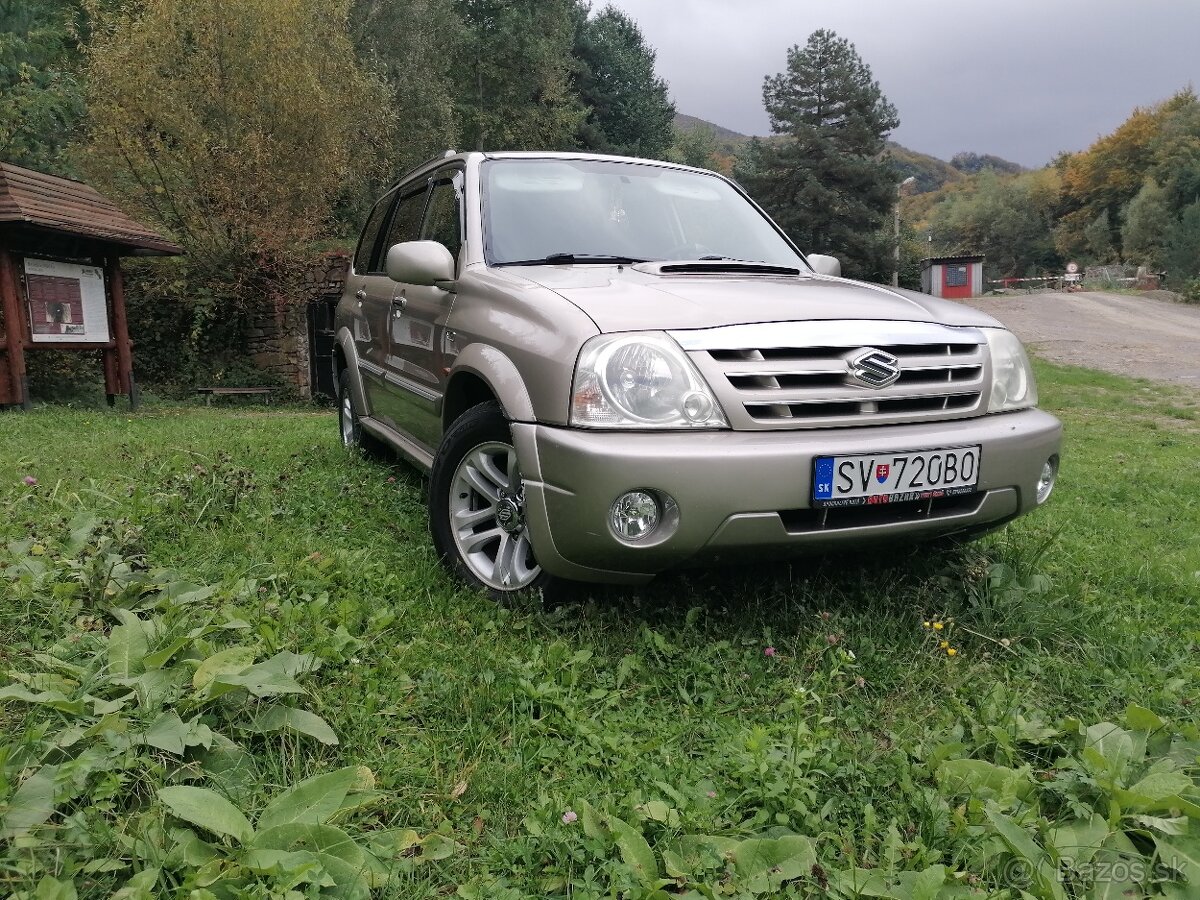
{"points": [[1012, 376], [641, 380]]}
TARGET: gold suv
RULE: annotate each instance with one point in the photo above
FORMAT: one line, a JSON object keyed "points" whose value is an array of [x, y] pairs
{"points": [[614, 367]]}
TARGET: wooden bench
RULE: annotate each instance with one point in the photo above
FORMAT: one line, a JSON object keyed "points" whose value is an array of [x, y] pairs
{"points": [[210, 392]]}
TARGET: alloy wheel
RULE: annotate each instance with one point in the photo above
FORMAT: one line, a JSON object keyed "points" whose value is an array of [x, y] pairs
{"points": [[487, 518]]}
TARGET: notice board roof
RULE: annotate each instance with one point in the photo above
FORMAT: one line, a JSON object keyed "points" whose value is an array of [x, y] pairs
{"points": [[63, 205]]}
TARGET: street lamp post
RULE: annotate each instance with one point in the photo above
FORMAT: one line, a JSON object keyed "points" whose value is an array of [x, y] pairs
{"points": [[896, 247]]}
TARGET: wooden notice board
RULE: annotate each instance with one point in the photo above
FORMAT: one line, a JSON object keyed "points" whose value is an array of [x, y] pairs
{"points": [[66, 302]]}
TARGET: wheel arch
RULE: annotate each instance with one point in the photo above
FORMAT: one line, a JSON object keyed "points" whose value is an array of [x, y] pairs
{"points": [[482, 373], [345, 357]]}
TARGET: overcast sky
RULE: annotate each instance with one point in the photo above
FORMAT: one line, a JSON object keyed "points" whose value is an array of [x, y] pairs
{"points": [[1022, 79]]}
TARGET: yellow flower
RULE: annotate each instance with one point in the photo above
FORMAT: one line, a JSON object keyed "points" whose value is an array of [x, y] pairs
{"points": [[924, 624], [938, 626], [945, 645], [952, 652]]}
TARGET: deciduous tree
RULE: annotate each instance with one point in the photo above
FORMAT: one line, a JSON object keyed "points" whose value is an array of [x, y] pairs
{"points": [[974, 163], [416, 45], [1182, 251], [512, 83], [41, 98], [232, 123], [1157, 141], [1006, 218], [694, 147], [629, 111], [1099, 237], [1147, 219]]}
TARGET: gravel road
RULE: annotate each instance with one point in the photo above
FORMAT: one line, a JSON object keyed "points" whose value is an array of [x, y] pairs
{"points": [[1137, 336]]}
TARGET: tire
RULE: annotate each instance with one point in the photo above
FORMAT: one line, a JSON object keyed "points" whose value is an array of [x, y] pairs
{"points": [[474, 487], [349, 427]]}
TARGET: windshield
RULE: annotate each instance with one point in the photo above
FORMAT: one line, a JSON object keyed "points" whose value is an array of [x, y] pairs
{"points": [[579, 211]]}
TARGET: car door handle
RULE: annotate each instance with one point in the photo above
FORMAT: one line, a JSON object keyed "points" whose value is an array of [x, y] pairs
{"points": [[360, 294], [398, 305]]}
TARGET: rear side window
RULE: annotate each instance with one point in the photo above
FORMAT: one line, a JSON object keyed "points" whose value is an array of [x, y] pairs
{"points": [[363, 256], [406, 223], [442, 221]]}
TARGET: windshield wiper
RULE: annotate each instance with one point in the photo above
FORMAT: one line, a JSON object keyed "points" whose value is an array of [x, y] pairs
{"points": [[563, 259]]}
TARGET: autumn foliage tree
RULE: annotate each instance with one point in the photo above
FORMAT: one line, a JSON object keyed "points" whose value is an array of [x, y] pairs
{"points": [[233, 124], [1159, 143], [238, 127], [1009, 219], [1129, 198]]}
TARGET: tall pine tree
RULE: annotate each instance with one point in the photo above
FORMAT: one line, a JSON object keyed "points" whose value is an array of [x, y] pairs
{"points": [[825, 179]]}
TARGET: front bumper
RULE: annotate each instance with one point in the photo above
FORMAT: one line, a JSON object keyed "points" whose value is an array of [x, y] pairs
{"points": [[745, 494]]}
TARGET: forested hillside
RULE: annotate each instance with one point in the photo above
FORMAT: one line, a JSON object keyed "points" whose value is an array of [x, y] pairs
{"points": [[1132, 198], [931, 173]]}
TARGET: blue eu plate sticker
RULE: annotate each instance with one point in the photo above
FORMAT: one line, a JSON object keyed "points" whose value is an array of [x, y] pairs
{"points": [[823, 478]]}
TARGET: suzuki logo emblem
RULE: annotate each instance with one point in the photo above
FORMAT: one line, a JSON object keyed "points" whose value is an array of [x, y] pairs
{"points": [[874, 368]]}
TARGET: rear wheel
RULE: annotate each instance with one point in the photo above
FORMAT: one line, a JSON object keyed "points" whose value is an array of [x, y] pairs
{"points": [[477, 506], [349, 426]]}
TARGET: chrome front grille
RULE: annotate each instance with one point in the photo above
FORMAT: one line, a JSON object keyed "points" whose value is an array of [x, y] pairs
{"points": [[798, 374]]}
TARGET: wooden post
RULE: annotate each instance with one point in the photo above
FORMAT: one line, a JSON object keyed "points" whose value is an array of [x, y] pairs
{"points": [[108, 356], [14, 329], [116, 288], [112, 380]]}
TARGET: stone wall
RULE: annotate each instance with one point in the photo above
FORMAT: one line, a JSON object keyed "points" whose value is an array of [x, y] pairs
{"points": [[277, 340]]}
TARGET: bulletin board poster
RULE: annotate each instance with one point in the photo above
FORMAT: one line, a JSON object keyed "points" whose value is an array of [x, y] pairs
{"points": [[67, 302]]}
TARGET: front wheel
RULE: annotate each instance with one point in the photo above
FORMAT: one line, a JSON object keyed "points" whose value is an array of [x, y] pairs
{"points": [[477, 506]]}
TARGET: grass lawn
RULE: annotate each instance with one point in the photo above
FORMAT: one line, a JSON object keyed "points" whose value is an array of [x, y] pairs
{"points": [[796, 729]]}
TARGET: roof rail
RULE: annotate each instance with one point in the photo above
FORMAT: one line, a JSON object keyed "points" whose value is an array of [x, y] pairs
{"points": [[446, 154]]}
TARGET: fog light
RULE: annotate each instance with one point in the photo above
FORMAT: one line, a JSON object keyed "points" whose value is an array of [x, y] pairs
{"points": [[1046, 481], [635, 515]]}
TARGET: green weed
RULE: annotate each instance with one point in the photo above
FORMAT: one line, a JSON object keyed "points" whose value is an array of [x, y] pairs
{"points": [[549, 749]]}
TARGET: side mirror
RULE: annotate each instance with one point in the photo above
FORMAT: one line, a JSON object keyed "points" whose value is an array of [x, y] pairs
{"points": [[426, 263], [822, 265]]}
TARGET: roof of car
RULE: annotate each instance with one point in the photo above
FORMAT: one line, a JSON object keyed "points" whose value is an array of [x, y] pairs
{"points": [[464, 156], [591, 157]]}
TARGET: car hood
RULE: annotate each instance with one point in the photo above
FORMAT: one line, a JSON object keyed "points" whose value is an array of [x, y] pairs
{"points": [[627, 298]]}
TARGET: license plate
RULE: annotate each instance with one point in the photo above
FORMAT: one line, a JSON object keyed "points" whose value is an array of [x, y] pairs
{"points": [[875, 478]]}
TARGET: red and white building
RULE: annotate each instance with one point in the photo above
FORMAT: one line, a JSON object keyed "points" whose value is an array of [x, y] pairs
{"points": [[952, 277]]}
